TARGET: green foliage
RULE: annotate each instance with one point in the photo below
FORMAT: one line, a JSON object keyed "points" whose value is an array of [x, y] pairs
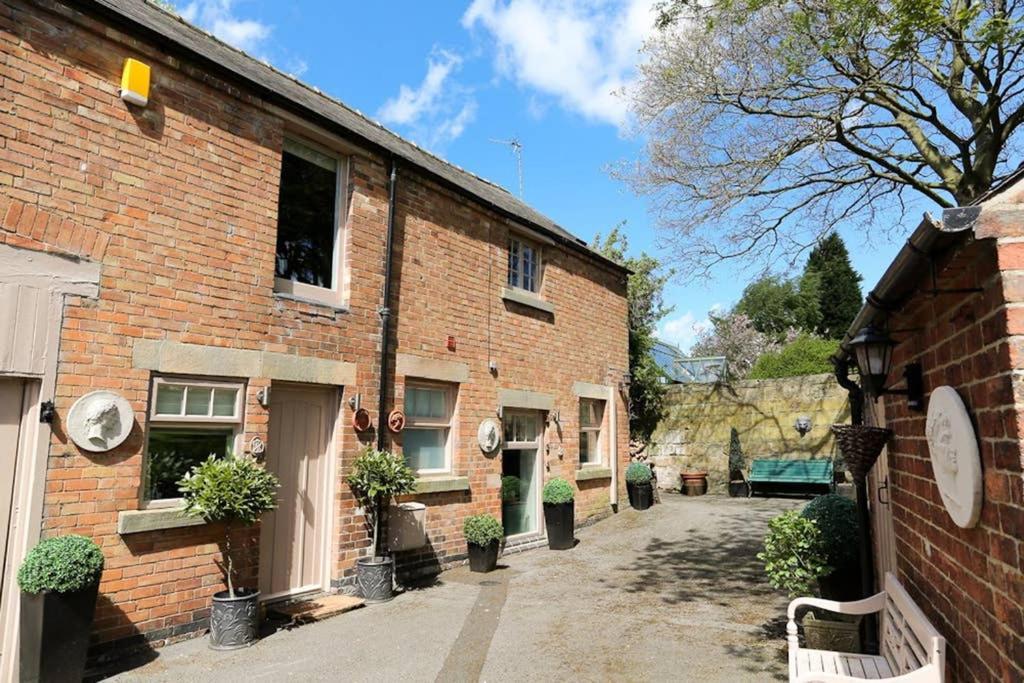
{"points": [[511, 488], [805, 355], [376, 478], [776, 305], [839, 297], [638, 473], [836, 518], [792, 554], [482, 529], [644, 293], [735, 454], [63, 564], [558, 491], [232, 490]]}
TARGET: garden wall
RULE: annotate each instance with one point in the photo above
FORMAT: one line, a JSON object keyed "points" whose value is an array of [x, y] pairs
{"points": [[699, 418]]}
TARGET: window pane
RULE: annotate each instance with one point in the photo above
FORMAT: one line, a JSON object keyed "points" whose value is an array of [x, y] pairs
{"points": [[513, 263], [173, 452], [197, 401], [306, 220], [169, 398], [422, 402], [589, 452], [591, 413], [424, 448], [528, 267], [224, 401]]}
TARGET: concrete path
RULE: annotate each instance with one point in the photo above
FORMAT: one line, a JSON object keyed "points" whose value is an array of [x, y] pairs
{"points": [[672, 593]]}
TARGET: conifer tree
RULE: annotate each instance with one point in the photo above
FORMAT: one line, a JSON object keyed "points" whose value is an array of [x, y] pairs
{"points": [[839, 293]]}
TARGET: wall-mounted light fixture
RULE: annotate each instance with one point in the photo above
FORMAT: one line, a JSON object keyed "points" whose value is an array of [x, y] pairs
{"points": [[625, 382], [872, 348]]}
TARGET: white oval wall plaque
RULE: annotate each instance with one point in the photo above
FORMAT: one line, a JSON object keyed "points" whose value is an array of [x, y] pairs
{"points": [[100, 421], [488, 435], [954, 454]]}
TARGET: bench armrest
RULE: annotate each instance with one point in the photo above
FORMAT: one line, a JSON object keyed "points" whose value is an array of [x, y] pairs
{"points": [[866, 606], [926, 674]]}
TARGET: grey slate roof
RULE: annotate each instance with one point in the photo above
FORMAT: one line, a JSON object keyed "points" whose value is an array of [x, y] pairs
{"points": [[174, 34]]}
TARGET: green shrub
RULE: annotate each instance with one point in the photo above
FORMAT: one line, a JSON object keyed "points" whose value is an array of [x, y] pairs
{"points": [[836, 517], [230, 490], [64, 564], [558, 491], [735, 455], [805, 355], [792, 554], [482, 529], [376, 478], [511, 488], [638, 473]]}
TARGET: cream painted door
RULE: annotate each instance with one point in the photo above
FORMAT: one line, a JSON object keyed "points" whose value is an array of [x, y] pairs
{"points": [[879, 491], [295, 537], [13, 437]]}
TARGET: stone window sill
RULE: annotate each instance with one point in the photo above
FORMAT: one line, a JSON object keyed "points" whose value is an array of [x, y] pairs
{"points": [[441, 484], [335, 307], [525, 298], [588, 473], [138, 521]]}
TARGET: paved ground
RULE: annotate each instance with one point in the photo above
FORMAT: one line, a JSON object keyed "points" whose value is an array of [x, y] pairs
{"points": [[673, 593]]}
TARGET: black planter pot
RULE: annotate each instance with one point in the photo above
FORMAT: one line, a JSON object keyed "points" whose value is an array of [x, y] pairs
{"points": [[375, 576], [843, 584], [234, 621], [483, 558], [559, 519], [641, 496], [738, 489], [54, 637]]}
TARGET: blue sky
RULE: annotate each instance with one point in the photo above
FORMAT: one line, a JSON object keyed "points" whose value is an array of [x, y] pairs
{"points": [[453, 76]]}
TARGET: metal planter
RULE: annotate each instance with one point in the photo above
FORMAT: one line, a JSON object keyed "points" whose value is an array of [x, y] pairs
{"points": [[375, 577], [234, 621]]}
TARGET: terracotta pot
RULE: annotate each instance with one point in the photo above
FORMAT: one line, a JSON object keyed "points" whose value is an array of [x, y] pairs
{"points": [[694, 483]]}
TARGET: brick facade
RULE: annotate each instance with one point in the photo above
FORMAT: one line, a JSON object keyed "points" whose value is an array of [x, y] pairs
{"points": [[178, 203], [970, 582]]}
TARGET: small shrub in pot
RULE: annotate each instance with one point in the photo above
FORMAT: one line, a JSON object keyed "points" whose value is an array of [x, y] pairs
{"points": [[483, 536], [59, 582], [559, 513], [233, 492], [836, 519], [638, 485]]}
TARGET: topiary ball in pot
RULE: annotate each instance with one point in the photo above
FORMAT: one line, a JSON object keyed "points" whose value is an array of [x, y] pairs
{"points": [[559, 513], [483, 535], [836, 519], [59, 580], [638, 485]]}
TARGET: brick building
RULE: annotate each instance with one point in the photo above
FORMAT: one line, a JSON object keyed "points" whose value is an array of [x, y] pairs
{"points": [[954, 299], [218, 258]]}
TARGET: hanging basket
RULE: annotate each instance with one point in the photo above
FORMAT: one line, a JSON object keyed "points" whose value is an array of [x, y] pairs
{"points": [[860, 447]]}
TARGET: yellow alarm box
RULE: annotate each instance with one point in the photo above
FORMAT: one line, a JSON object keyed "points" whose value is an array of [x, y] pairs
{"points": [[135, 82]]}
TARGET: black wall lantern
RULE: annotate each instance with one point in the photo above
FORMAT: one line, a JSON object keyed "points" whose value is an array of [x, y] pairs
{"points": [[873, 349]]}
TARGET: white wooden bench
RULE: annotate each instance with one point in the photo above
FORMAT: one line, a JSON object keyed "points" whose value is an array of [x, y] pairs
{"points": [[912, 650]]}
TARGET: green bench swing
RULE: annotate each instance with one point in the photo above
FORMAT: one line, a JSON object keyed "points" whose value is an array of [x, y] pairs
{"points": [[774, 474]]}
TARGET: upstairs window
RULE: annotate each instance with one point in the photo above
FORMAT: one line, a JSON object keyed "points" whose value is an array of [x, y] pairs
{"points": [[523, 265], [427, 434], [591, 420], [188, 422], [309, 222]]}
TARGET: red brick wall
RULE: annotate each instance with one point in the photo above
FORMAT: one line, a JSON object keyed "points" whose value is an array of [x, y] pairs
{"points": [[177, 201], [968, 581]]}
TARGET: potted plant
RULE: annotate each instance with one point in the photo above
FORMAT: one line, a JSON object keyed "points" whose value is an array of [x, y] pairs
{"points": [[796, 554], [59, 582], [638, 485], [738, 487], [376, 478], [483, 535], [233, 492], [559, 513]]}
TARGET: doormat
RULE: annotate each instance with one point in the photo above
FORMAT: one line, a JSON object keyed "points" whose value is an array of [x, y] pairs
{"points": [[317, 609]]}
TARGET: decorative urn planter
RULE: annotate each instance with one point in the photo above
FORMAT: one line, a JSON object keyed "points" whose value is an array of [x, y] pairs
{"points": [[234, 621], [694, 483], [483, 558], [375, 577]]}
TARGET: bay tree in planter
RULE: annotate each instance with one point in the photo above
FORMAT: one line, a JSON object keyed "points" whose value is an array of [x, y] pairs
{"points": [[638, 485], [376, 478], [235, 492], [559, 513], [59, 582], [483, 536]]}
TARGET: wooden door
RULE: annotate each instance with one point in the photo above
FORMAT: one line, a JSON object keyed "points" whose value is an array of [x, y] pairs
{"points": [[294, 540], [879, 493], [13, 439]]}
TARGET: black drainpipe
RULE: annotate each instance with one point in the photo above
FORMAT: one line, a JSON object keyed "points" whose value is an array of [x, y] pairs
{"points": [[385, 309], [867, 568]]}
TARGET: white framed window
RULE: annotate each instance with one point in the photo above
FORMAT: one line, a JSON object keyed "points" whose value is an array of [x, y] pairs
{"points": [[426, 439], [591, 440], [523, 264], [310, 222], [189, 420]]}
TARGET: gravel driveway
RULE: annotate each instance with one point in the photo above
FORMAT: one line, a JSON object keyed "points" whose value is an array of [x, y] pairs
{"points": [[672, 593]]}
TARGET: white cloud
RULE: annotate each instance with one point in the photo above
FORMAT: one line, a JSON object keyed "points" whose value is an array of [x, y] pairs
{"points": [[682, 330], [581, 52], [219, 18], [439, 109]]}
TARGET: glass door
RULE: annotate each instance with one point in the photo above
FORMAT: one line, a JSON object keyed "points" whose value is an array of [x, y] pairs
{"points": [[520, 474]]}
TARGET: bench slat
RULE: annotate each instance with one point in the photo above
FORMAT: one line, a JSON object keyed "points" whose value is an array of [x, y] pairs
{"points": [[792, 471]]}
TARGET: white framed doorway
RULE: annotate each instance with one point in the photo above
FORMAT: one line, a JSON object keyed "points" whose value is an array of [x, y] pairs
{"points": [[522, 473]]}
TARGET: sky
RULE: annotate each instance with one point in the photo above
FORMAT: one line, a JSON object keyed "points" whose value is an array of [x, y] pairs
{"points": [[462, 78]]}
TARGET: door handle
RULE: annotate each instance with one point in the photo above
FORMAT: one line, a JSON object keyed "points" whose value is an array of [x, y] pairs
{"points": [[883, 487]]}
